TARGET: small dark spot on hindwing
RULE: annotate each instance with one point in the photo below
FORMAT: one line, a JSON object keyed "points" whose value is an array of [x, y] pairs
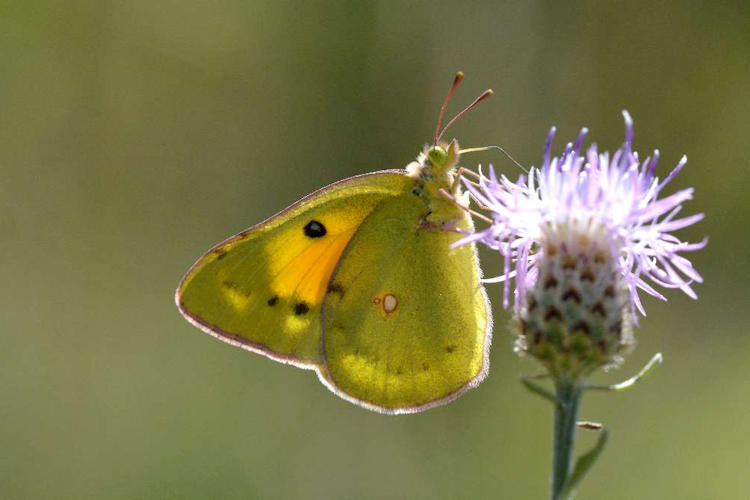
{"points": [[336, 288], [273, 300]]}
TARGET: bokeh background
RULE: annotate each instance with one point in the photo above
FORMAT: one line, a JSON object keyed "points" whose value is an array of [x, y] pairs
{"points": [[134, 135]]}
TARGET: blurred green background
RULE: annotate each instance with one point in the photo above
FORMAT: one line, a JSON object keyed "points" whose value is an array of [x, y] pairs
{"points": [[134, 135]]}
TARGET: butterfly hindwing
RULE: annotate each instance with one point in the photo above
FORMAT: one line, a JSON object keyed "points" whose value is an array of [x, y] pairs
{"points": [[263, 289], [405, 325]]}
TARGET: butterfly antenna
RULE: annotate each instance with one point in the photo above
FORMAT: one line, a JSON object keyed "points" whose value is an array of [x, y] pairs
{"points": [[456, 83], [499, 148], [484, 95]]}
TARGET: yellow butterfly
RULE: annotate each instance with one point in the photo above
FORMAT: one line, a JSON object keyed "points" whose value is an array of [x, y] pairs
{"points": [[358, 282]]}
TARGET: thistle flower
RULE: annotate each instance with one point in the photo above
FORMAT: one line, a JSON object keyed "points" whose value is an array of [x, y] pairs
{"points": [[581, 236]]}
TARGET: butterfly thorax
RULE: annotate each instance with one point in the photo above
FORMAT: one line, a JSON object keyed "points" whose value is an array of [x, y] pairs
{"points": [[435, 183]]}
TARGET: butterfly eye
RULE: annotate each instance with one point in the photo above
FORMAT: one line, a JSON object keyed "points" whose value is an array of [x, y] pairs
{"points": [[315, 229], [437, 156]]}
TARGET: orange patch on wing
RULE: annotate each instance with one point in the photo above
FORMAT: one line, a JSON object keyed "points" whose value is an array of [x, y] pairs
{"points": [[306, 275]]}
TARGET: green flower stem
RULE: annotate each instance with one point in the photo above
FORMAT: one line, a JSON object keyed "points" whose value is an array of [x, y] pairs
{"points": [[568, 391]]}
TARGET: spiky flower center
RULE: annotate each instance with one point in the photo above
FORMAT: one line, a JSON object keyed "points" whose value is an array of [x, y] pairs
{"points": [[576, 315]]}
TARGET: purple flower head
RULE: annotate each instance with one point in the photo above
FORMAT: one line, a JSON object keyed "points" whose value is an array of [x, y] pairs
{"points": [[610, 204]]}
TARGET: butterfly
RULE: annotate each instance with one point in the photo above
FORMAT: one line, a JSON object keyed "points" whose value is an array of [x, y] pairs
{"points": [[358, 281]]}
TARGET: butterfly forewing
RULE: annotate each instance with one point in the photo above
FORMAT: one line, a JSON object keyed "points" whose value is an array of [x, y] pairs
{"points": [[263, 289]]}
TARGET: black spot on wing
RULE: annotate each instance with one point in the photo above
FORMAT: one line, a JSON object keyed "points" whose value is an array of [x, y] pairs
{"points": [[314, 229], [273, 300], [336, 288], [301, 308], [231, 285]]}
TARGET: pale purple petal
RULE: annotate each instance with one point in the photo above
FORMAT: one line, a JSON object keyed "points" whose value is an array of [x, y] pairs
{"points": [[618, 192]]}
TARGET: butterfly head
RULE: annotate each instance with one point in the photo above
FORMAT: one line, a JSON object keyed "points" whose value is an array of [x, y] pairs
{"points": [[436, 184], [434, 169], [442, 157], [436, 164]]}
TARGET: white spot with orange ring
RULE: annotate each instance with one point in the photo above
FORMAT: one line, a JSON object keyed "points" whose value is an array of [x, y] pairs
{"points": [[390, 303]]}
